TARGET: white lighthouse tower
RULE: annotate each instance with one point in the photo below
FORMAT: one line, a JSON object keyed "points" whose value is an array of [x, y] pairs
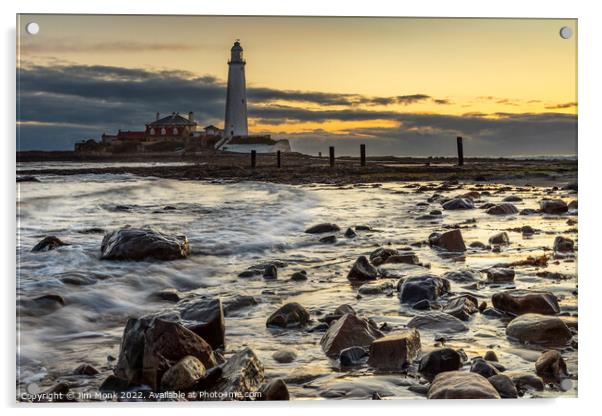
{"points": [[236, 99]]}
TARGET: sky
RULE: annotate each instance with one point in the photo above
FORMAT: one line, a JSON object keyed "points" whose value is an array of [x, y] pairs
{"points": [[402, 86]]}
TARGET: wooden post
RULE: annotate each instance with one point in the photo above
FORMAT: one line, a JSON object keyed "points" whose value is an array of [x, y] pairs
{"points": [[460, 152], [278, 158], [331, 156], [362, 154], [253, 158]]}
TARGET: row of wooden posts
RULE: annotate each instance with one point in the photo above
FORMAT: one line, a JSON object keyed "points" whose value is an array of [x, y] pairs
{"points": [[362, 155]]}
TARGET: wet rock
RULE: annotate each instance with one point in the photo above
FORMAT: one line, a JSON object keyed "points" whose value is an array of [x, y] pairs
{"points": [[403, 258], [439, 361], [437, 321], [522, 301], [551, 364], [529, 211], [490, 356], [458, 203], [362, 270], [512, 198], [285, 356], [250, 273], [113, 384], [486, 205], [321, 327], [77, 279], [208, 321], [461, 385], [527, 230], [323, 228], [362, 228], [553, 206], [299, 276], [27, 178], [41, 305], [500, 275], [502, 209], [168, 294], [573, 205], [449, 240], [501, 239], [493, 313], [394, 351], [525, 381], [329, 239], [183, 375], [350, 233], [426, 217], [86, 370], [375, 289], [436, 213], [417, 288], [564, 245], [461, 276], [352, 356], [422, 305], [275, 390], [539, 329], [462, 307], [48, 243], [238, 302], [381, 254], [270, 272], [150, 346], [242, 373], [143, 243], [348, 331], [504, 386], [484, 368], [289, 316]]}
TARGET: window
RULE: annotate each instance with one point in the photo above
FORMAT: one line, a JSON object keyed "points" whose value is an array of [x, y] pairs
{"points": [[163, 131], [152, 132], [175, 130]]}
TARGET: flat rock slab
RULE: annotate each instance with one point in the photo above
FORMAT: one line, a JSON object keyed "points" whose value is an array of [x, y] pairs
{"points": [[539, 329], [142, 244], [437, 321], [394, 351], [461, 385]]}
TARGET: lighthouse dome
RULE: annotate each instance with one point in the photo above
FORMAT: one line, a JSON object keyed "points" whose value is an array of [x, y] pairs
{"points": [[236, 47]]}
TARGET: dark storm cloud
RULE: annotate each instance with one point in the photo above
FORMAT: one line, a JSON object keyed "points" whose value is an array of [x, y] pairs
{"points": [[76, 102]]}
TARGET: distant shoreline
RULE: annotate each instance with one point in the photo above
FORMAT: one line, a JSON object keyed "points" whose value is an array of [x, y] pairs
{"points": [[304, 169]]}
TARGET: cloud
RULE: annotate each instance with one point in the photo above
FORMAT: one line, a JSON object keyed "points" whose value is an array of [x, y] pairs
{"points": [[57, 46], [561, 106], [58, 105]]}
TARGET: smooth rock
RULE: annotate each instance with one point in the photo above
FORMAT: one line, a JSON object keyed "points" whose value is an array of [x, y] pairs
{"points": [[501, 239], [323, 228], [512, 198], [417, 288], [275, 390], [461, 276], [525, 381], [539, 329], [500, 275], [362, 270], [449, 240], [285, 356], [553, 206], [461, 385], [352, 356], [48, 243], [551, 364], [483, 367], [437, 321], [522, 301], [564, 245], [299, 276], [141, 244], [348, 331], [350, 233], [439, 361], [329, 239], [504, 386], [381, 254], [394, 351], [289, 316], [502, 209], [458, 203]]}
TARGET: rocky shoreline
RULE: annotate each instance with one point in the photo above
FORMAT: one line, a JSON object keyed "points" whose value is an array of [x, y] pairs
{"points": [[179, 352]]}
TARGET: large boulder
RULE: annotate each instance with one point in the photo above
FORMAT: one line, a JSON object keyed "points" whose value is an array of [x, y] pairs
{"points": [[502, 209], [522, 301], [462, 307], [207, 316], [458, 203], [348, 331], [362, 270], [48, 243], [553, 206], [394, 351], [150, 346], [437, 321], [539, 329], [289, 316], [142, 243], [564, 245], [417, 288], [323, 228], [243, 373], [461, 385], [550, 364], [183, 375], [438, 361], [449, 240]]}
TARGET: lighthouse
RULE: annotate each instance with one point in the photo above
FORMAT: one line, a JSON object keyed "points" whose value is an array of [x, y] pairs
{"points": [[236, 98]]}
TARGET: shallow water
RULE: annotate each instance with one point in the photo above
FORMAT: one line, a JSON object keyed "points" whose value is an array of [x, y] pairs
{"points": [[232, 226]]}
